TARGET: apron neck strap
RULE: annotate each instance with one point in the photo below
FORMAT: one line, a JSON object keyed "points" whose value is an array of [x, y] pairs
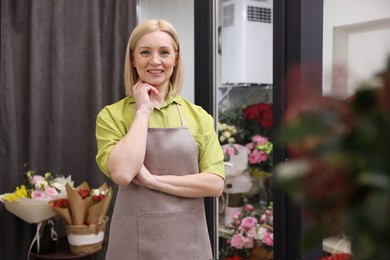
{"points": [[183, 123]]}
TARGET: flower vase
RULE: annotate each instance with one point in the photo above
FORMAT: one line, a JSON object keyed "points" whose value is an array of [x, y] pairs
{"points": [[260, 253]]}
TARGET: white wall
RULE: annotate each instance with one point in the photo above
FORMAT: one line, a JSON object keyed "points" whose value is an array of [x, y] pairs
{"points": [[181, 14], [357, 38]]}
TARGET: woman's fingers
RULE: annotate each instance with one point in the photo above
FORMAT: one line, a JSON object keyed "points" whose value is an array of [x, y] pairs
{"points": [[143, 94]]}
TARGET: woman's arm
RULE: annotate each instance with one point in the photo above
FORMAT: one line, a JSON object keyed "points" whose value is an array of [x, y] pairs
{"points": [[127, 156], [192, 185]]}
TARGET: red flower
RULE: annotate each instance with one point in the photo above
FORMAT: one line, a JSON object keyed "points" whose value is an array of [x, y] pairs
{"points": [[97, 198], [236, 257], [338, 256], [84, 193], [61, 203], [259, 113]]}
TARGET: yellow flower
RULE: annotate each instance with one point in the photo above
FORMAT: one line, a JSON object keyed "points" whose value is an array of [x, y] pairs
{"points": [[20, 192]]}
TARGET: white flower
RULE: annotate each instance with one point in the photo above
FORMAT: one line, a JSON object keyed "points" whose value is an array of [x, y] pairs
{"points": [[227, 134], [260, 233], [60, 182]]}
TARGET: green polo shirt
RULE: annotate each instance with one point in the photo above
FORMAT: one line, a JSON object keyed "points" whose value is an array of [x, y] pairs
{"points": [[113, 122]]}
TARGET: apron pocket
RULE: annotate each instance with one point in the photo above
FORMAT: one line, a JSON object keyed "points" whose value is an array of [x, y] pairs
{"points": [[168, 235]]}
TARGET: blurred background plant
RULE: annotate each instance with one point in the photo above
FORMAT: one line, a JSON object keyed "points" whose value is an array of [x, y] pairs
{"points": [[339, 166]]}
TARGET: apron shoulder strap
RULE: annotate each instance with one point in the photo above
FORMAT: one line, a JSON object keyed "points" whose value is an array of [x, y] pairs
{"points": [[183, 123]]}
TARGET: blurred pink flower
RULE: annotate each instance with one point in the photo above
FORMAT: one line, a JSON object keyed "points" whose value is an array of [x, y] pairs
{"points": [[259, 140], [38, 195], [257, 156], [37, 178], [248, 242], [268, 239], [249, 207], [50, 192], [248, 223], [237, 241]]}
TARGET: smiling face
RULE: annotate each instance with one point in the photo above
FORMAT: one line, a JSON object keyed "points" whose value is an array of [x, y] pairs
{"points": [[154, 58]]}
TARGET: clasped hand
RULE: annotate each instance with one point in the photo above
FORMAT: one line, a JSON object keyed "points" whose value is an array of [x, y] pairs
{"points": [[145, 178]]}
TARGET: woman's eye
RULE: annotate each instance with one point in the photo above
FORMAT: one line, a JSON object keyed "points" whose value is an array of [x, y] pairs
{"points": [[165, 52], [144, 52]]}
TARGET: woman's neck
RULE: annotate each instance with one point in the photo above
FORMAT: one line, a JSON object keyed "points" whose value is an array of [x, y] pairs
{"points": [[161, 98]]}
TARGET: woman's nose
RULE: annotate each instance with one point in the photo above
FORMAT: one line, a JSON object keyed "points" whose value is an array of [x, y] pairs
{"points": [[155, 60]]}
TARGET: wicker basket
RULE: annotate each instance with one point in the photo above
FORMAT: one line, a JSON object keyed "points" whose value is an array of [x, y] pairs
{"points": [[260, 253], [84, 240]]}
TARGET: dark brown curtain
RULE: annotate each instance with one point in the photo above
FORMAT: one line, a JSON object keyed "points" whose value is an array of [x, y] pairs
{"points": [[61, 62]]}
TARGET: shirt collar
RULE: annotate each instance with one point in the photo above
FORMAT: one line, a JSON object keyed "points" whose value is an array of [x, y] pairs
{"points": [[170, 98]]}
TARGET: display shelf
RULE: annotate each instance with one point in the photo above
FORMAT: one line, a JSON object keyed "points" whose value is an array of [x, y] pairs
{"points": [[225, 90]]}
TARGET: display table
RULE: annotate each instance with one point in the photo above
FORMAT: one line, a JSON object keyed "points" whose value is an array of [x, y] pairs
{"points": [[63, 252]]}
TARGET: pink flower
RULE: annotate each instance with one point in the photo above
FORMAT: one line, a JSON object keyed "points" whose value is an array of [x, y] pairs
{"points": [[268, 213], [257, 157], [249, 207], [262, 156], [260, 140], [268, 239], [251, 232], [38, 195], [36, 179], [252, 158], [230, 151], [248, 223], [50, 192], [248, 242], [236, 214], [237, 241], [250, 146]]}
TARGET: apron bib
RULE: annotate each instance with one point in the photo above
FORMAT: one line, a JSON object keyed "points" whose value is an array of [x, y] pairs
{"points": [[152, 225]]}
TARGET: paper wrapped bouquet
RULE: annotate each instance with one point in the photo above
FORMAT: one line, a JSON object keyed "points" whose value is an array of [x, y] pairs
{"points": [[84, 213]]}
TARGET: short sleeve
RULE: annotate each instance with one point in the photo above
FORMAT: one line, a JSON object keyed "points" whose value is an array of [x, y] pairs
{"points": [[107, 135], [210, 152]]}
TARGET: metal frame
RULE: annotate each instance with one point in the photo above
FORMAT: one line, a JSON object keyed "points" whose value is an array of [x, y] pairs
{"points": [[297, 39]]}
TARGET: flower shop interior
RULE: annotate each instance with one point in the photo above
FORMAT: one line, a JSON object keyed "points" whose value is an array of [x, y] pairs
{"points": [[304, 149]]}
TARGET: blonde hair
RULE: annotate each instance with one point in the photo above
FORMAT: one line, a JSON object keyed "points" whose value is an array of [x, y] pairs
{"points": [[130, 73]]}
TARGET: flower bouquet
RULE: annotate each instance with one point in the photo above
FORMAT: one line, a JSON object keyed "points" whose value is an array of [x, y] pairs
{"points": [[260, 156], [238, 180], [84, 213], [251, 235], [30, 200]]}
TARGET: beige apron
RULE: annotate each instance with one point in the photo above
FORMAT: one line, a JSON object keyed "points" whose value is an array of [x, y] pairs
{"points": [[151, 225]]}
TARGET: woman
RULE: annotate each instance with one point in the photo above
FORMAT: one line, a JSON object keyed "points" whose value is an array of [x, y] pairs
{"points": [[162, 151]]}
